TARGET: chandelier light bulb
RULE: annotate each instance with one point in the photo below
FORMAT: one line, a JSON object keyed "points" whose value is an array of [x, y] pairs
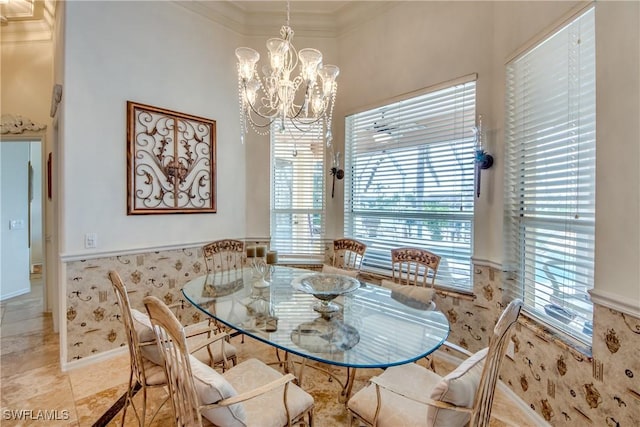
{"points": [[278, 50], [247, 59], [328, 74], [310, 59]]}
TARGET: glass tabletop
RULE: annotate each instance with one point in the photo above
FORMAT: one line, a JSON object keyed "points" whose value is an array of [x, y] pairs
{"points": [[371, 329]]}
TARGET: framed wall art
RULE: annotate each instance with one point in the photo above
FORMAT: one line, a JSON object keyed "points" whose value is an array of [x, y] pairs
{"points": [[171, 161]]}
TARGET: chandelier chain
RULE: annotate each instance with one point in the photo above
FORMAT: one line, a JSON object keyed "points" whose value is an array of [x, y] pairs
{"points": [[288, 14]]}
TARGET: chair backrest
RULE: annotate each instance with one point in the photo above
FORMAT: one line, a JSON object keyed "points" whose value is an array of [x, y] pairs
{"points": [[348, 253], [133, 341], [414, 266], [172, 342], [223, 255], [497, 348]]}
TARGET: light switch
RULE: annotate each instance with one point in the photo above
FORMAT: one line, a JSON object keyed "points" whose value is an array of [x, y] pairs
{"points": [[16, 224], [90, 240]]}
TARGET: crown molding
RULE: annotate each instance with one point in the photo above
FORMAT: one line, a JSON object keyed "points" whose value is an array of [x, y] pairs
{"points": [[308, 19]]}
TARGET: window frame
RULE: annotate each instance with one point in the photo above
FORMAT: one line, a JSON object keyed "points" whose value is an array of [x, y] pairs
{"points": [[377, 258], [299, 139], [550, 277]]}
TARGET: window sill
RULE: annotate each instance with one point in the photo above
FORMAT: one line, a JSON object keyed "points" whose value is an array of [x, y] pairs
{"points": [[377, 276], [550, 334]]}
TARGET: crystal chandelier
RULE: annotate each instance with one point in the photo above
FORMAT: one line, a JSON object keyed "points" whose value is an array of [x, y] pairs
{"points": [[279, 95]]}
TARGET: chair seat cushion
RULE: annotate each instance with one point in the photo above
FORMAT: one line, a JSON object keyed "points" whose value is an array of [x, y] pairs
{"points": [[142, 325], [328, 269], [412, 380], [458, 388], [154, 373], [267, 410], [397, 411], [417, 297], [216, 348], [212, 387], [146, 337]]}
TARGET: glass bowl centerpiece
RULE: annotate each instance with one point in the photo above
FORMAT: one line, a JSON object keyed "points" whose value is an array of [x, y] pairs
{"points": [[326, 288]]}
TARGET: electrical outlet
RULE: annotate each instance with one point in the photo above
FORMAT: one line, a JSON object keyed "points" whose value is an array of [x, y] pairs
{"points": [[90, 241]]}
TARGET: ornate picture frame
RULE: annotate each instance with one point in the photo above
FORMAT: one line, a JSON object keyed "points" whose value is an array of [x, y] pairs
{"points": [[171, 161]]}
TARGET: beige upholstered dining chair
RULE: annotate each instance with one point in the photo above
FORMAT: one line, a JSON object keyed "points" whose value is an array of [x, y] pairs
{"points": [[411, 395], [416, 267], [249, 394], [146, 363], [347, 257], [223, 255]]}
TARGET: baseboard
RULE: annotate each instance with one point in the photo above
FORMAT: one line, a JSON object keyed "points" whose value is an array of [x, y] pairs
{"points": [[88, 361], [521, 404], [15, 294]]}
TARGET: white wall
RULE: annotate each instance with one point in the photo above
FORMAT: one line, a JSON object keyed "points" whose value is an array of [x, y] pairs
{"points": [[411, 46], [617, 260], [154, 53], [617, 273], [418, 44], [14, 159]]}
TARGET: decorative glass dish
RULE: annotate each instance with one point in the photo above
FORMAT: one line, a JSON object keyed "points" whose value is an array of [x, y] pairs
{"points": [[326, 288], [324, 335]]}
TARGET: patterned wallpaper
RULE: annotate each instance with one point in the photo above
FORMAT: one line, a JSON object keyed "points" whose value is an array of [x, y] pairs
{"points": [[563, 385]]}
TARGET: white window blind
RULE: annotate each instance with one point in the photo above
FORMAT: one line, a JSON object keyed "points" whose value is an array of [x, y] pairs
{"points": [[410, 179], [297, 192], [550, 176]]}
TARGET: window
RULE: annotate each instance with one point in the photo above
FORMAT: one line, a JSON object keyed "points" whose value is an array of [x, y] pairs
{"points": [[550, 176], [410, 179], [297, 192]]}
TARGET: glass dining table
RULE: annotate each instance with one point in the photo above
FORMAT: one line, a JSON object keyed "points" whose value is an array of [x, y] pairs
{"points": [[373, 328]]}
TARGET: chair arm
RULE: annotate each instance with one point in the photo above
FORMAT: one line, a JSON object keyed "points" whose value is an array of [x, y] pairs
{"points": [[284, 380], [199, 329], [208, 341], [380, 383]]}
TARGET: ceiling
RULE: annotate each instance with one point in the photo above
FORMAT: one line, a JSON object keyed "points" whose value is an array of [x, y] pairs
{"points": [[26, 20], [29, 20], [307, 17]]}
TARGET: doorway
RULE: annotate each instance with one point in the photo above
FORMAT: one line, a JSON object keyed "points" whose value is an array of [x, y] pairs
{"points": [[21, 212]]}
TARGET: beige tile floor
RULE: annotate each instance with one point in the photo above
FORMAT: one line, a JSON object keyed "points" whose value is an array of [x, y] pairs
{"points": [[31, 379]]}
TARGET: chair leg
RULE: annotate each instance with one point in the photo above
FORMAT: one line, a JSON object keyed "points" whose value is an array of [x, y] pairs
{"points": [[144, 403], [128, 401]]}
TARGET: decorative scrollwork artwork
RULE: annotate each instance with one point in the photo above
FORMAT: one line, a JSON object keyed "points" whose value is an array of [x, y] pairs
{"points": [[16, 124], [171, 161]]}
